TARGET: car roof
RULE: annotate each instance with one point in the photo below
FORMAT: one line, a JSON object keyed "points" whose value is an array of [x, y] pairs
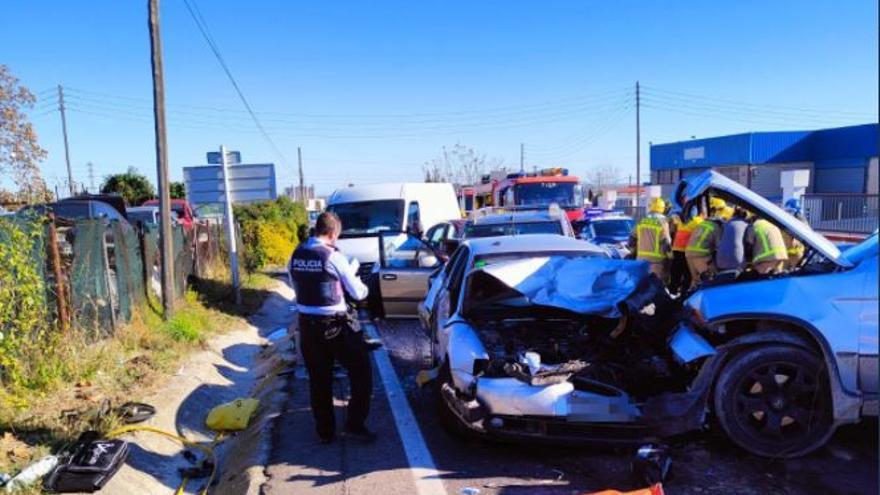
{"points": [[136, 209], [531, 242], [387, 191], [610, 217], [515, 217]]}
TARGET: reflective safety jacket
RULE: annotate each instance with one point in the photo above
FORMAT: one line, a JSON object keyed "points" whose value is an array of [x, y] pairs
{"points": [[794, 247], [766, 242], [683, 234], [704, 239], [652, 239]]}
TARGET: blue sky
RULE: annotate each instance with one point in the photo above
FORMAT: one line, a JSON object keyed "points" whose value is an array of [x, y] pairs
{"points": [[371, 90]]}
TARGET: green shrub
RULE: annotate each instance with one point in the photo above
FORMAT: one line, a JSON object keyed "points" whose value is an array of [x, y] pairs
{"points": [[269, 231], [24, 325]]}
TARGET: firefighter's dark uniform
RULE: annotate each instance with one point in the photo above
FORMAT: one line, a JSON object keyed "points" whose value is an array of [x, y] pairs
{"points": [[321, 275]]}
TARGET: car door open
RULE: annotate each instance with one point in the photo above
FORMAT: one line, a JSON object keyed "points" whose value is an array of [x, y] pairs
{"points": [[406, 263]]}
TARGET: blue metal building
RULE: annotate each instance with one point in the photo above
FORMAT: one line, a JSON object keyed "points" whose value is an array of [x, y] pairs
{"points": [[840, 160]]}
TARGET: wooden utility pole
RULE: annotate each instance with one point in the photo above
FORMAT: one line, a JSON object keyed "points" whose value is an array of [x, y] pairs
{"points": [[60, 290], [166, 251], [70, 186], [638, 150]]}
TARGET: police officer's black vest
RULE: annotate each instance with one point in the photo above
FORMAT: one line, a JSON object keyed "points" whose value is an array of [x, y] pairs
{"points": [[314, 285]]}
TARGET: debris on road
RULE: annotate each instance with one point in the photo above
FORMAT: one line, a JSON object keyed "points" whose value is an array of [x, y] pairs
{"points": [[652, 464]]}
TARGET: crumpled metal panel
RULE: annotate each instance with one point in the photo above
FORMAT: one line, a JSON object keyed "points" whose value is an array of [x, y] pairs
{"points": [[585, 285]]}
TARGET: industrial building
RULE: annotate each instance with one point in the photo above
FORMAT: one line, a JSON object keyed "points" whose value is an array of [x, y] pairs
{"points": [[839, 160]]}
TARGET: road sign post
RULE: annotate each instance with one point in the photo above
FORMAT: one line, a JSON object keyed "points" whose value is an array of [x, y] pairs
{"points": [[230, 227]]}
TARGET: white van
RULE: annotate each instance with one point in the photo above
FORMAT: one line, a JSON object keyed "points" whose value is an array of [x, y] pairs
{"points": [[368, 210]]}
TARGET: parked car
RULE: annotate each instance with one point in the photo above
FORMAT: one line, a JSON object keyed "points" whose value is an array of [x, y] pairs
{"points": [[400, 208], [71, 209], [535, 342], [147, 215], [445, 236], [399, 280], [181, 209], [493, 222], [611, 231]]}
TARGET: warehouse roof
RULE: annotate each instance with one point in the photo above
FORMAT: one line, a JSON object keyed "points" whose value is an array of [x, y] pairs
{"points": [[841, 144]]}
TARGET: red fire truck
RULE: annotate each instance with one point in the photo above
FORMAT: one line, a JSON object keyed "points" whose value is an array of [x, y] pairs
{"points": [[541, 188]]}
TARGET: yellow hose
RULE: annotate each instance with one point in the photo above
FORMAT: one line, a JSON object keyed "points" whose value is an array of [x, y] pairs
{"points": [[189, 443]]}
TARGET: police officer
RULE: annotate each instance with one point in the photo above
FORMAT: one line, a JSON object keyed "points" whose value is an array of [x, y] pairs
{"points": [[322, 277]]}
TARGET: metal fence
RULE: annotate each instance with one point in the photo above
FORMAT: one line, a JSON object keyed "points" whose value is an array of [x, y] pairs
{"points": [[844, 213]]}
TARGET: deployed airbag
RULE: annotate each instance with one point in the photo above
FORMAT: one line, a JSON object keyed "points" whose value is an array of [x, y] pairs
{"points": [[584, 285]]}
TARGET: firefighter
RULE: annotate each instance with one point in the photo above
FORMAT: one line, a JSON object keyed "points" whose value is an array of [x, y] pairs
{"points": [[681, 234], [731, 254], [651, 239], [703, 242], [793, 245], [767, 247]]}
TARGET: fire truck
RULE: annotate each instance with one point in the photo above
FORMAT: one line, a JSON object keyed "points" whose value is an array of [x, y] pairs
{"points": [[541, 188], [465, 196]]}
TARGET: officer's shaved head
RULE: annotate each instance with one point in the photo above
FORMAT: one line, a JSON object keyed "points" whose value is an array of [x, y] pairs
{"points": [[328, 225]]}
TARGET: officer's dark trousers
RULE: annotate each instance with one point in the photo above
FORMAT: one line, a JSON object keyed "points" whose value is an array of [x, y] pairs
{"points": [[680, 274], [320, 353]]}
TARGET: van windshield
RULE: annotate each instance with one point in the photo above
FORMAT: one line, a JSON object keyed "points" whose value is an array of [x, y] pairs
{"points": [[365, 218]]}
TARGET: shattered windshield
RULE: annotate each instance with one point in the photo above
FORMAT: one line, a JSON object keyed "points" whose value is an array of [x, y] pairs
{"points": [[364, 218]]}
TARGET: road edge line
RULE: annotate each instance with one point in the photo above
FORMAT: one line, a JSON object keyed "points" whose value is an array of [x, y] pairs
{"points": [[424, 470]]}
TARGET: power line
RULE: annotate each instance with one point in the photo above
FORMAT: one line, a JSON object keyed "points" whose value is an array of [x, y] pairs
{"points": [[770, 115], [303, 122], [203, 28], [594, 98], [756, 106]]}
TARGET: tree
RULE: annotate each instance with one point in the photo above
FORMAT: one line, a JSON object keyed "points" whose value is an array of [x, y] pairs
{"points": [[132, 186], [178, 190], [460, 165], [601, 178], [19, 151]]}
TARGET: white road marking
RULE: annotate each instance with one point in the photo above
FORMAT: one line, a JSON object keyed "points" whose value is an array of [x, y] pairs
{"points": [[424, 471]]}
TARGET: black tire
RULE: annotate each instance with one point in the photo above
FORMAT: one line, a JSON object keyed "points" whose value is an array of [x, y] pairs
{"points": [[448, 419], [774, 401]]}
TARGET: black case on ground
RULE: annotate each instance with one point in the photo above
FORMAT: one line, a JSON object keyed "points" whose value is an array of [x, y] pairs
{"points": [[90, 465]]}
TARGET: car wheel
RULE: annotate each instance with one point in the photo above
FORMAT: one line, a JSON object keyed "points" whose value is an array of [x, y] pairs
{"points": [[774, 401], [448, 419]]}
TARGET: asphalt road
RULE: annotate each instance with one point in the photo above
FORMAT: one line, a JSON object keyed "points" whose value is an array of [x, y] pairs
{"points": [[704, 463]]}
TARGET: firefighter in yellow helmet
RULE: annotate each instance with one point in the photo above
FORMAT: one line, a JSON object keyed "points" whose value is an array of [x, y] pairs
{"points": [[766, 244], [703, 242], [651, 239]]}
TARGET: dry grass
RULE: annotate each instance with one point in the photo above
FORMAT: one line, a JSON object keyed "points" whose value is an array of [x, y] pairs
{"points": [[71, 383]]}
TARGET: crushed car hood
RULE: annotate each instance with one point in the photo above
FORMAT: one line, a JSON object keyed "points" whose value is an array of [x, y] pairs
{"points": [[691, 188], [582, 285]]}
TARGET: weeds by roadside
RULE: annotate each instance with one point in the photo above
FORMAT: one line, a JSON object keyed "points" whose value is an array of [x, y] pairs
{"points": [[66, 385]]}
